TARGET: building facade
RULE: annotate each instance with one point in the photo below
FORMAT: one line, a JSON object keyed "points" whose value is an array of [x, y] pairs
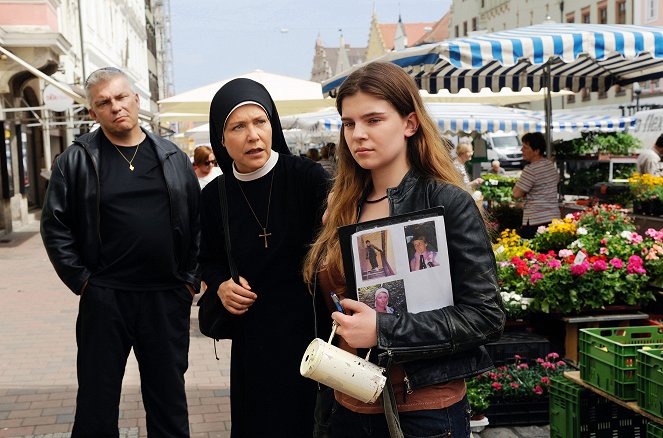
{"points": [[47, 46]]}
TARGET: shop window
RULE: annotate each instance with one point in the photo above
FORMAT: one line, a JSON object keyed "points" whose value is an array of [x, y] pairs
{"points": [[586, 95], [619, 91], [571, 98], [571, 18]]}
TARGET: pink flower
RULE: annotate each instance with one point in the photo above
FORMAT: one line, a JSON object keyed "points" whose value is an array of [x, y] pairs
{"points": [[604, 242], [603, 250], [617, 263], [515, 385], [636, 238], [497, 386], [561, 363], [538, 390], [536, 277], [534, 268], [554, 263], [635, 265], [564, 253], [579, 270], [522, 366], [517, 356], [552, 355], [600, 265], [545, 380], [539, 360]]}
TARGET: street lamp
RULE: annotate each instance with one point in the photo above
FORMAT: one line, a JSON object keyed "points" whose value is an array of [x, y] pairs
{"points": [[637, 91]]}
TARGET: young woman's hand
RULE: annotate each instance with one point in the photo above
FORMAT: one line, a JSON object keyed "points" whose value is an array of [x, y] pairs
{"points": [[359, 326], [236, 298]]}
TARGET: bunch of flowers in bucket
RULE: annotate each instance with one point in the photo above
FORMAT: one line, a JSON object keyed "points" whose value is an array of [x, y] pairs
{"points": [[522, 379]]}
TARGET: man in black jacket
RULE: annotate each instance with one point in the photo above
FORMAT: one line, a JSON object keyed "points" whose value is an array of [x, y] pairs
{"points": [[121, 226]]}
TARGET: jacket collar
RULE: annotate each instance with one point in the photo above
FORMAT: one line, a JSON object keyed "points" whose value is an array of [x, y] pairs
{"points": [[395, 194]]}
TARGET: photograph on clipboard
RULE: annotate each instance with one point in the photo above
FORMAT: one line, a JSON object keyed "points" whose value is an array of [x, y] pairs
{"points": [[400, 263]]}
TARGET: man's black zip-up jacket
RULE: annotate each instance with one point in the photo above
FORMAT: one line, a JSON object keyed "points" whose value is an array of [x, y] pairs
{"points": [[445, 344], [70, 216]]}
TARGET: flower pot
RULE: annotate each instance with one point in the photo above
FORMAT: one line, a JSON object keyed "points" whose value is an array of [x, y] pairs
{"points": [[505, 412]]}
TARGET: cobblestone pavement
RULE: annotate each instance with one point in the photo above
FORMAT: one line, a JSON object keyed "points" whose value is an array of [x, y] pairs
{"points": [[38, 365]]}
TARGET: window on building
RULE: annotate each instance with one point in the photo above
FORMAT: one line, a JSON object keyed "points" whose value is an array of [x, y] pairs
{"points": [[585, 16], [571, 98], [620, 17], [571, 18], [602, 94], [619, 91], [456, 31], [651, 13], [474, 24], [464, 28], [603, 13]]}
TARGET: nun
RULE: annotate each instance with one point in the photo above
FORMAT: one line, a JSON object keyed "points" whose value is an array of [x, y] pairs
{"points": [[275, 202]]}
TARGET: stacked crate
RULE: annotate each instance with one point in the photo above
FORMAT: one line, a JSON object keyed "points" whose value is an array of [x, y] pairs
{"points": [[608, 357]]}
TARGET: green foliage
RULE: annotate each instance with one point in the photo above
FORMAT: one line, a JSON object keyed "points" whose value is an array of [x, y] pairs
{"points": [[497, 189], [613, 143], [478, 396]]}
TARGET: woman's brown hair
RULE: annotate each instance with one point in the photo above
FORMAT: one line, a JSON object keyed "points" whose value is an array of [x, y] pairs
{"points": [[427, 153], [200, 155]]}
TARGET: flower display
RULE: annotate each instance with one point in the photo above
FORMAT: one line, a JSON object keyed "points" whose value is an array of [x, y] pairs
{"points": [[509, 245], [521, 379], [604, 262]]}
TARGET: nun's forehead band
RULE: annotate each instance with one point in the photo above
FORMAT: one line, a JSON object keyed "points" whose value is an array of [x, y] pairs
{"points": [[246, 102]]}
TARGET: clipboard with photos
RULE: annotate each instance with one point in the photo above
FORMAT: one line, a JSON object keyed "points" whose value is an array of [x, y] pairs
{"points": [[399, 263]]}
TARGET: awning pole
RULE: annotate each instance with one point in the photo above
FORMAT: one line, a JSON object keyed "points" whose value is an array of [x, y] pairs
{"points": [[548, 109]]}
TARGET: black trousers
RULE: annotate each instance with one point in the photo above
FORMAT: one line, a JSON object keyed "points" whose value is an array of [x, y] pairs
{"points": [[156, 324]]}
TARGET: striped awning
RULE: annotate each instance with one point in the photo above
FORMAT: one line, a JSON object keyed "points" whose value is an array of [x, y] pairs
{"points": [[463, 117], [580, 56]]}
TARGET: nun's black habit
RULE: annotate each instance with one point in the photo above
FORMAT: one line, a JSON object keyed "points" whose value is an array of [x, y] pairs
{"points": [[268, 395]]}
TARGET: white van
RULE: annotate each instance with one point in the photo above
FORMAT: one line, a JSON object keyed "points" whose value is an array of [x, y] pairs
{"points": [[505, 147]]}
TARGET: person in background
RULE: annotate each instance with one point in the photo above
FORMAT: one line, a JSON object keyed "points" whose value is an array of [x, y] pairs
{"points": [[313, 154], [649, 161], [464, 153], [274, 204], [121, 226], [204, 163], [392, 161], [327, 159], [496, 168], [537, 185]]}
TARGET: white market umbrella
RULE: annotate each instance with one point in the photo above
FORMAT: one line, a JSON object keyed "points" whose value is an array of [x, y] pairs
{"points": [[291, 95]]}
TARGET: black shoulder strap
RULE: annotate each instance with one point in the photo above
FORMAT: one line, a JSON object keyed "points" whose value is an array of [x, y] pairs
{"points": [[223, 202]]}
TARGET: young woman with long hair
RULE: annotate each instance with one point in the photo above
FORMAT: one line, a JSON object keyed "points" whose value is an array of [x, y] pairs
{"points": [[392, 160]]}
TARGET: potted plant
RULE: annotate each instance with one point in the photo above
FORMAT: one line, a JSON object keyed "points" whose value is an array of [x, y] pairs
{"points": [[518, 392], [477, 396]]}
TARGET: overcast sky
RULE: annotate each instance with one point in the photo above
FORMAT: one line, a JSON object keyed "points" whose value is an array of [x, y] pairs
{"points": [[213, 40]]}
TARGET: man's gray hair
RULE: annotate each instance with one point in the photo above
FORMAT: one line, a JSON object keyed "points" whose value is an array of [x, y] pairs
{"points": [[104, 74]]}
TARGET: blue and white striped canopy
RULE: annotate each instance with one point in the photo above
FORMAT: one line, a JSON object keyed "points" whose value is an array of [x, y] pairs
{"points": [[463, 117], [580, 56]]}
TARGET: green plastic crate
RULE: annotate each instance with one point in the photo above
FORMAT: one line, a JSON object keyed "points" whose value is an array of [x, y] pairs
{"points": [[654, 430], [608, 357], [577, 412], [564, 408], [650, 381]]}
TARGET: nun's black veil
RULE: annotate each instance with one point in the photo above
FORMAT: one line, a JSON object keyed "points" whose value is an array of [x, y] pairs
{"points": [[228, 97]]}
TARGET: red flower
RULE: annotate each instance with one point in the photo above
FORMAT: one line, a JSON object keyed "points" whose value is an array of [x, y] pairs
{"points": [[497, 386], [515, 385], [545, 380], [538, 390], [529, 255]]}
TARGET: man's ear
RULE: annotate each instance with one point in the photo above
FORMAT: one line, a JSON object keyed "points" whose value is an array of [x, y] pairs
{"points": [[93, 114], [411, 124]]}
